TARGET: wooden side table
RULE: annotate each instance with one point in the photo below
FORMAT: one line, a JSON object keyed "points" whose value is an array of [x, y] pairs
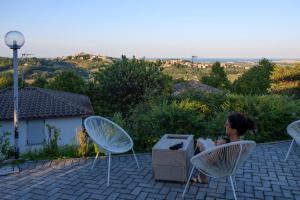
{"points": [[172, 165]]}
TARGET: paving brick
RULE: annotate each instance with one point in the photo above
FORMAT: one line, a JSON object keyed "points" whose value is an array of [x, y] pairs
{"points": [[142, 196], [127, 196], [263, 176], [136, 190], [113, 196], [83, 196], [171, 195]]}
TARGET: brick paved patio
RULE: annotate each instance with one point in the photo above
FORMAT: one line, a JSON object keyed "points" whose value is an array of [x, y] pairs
{"points": [[264, 176]]}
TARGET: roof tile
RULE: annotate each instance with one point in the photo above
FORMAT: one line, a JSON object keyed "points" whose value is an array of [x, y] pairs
{"points": [[44, 103]]}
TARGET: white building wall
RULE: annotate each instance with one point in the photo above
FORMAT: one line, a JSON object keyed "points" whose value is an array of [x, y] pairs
{"points": [[8, 126], [68, 128]]}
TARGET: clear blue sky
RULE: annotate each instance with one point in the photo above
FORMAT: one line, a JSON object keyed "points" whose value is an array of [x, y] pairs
{"points": [[155, 28]]}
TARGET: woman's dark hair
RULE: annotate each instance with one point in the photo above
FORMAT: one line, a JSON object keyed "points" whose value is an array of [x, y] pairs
{"points": [[241, 123]]}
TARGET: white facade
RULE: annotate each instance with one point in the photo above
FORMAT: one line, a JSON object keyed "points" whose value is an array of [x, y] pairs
{"points": [[68, 128]]}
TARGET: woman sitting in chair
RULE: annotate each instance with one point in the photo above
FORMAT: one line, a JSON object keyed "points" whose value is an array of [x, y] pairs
{"points": [[236, 126]]}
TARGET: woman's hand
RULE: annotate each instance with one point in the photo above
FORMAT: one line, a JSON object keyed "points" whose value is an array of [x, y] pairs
{"points": [[199, 144], [220, 142]]}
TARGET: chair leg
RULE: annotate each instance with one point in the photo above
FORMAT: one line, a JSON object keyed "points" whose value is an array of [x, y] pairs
{"points": [[234, 181], [188, 182], [137, 163], [232, 185], [95, 160], [287, 155], [108, 170]]}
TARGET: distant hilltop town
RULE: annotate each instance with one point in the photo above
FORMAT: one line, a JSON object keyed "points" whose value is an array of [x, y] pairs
{"points": [[86, 56], [166, 63], [86, 63], [203, 65]]}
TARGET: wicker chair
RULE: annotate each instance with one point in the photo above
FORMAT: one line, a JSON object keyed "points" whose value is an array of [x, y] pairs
{"points": [[109, 137], [293, 130], [222, 161]]}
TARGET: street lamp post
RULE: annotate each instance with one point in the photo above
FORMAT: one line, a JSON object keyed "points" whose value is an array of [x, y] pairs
{"points": [[15, 40]]}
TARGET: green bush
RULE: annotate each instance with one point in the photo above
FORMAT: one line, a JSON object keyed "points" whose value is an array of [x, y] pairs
{"points": [[256, 80], [52, 143], [286, 80], [6, 80], [6, 150], [217, 77], [178, 117], [66, 151], [40, 81], [67, 81], [125, 83], [204, 115], [86, 146], [272, 113], [213, 100]]}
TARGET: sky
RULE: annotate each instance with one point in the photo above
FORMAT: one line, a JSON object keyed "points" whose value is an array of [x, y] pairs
{"points": [[155, 28]]}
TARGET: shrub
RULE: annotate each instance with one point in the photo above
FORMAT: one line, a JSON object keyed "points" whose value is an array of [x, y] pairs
{"points": [[204, 115], [66, 151], [213, 100], [67, 81], [86, 146], [217, 77], [40, 81], [256, 80], [6, 80], [272, 113], [125, 83], [52, 143], [286, 80], [6, 150], [177, 117]]}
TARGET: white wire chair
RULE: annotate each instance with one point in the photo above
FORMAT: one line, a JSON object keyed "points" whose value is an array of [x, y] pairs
{"points": [[293, 129], [222, 161], [109, 137]]}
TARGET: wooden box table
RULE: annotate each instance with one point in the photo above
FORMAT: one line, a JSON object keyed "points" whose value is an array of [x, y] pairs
{"points": [[172, 165]]}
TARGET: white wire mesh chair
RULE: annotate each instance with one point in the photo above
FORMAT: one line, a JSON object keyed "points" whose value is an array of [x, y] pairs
{"points": [[109, 137], [222, 161], [293, 129]]}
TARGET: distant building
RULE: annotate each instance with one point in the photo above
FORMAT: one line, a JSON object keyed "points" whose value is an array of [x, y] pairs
{"points": [[39, 107]]}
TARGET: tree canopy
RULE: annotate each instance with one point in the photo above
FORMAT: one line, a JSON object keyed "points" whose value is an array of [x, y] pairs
{"points": [[217, 77], [127, 82], [256, 80], [286, 80], [67, 81]]}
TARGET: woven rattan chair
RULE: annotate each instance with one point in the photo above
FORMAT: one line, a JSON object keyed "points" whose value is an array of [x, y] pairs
{"points": [[293, 130], [222, 161], [109, 137]]}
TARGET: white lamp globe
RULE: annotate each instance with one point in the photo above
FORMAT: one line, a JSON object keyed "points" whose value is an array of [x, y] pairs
{"points": [[14, 39]]}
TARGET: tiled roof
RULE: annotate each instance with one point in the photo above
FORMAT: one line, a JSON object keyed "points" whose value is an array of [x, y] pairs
{"points": [[180, 88], [37, 103]]}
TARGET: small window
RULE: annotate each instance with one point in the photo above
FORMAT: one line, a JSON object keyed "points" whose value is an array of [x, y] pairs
{"points": [[35, 132]]}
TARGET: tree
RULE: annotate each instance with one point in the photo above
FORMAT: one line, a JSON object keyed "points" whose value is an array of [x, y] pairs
{"points": [[6, 80], [125, 83], [40, 81], [217, 77], [5, 62], [286, 80], [256, 80], [67, 81]]}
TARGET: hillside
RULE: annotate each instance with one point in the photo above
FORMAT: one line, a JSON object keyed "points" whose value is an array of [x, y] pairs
{"points": [[84, 64], [33, 67]]}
